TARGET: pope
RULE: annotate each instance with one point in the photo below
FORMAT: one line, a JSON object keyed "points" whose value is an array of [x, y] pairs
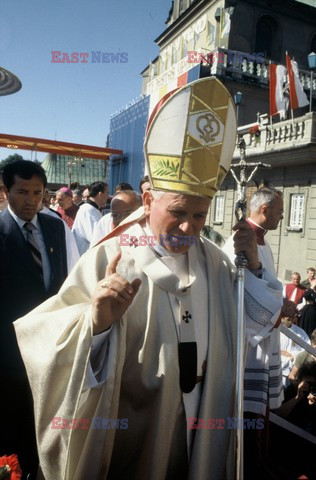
{"points": [[147, 333]]}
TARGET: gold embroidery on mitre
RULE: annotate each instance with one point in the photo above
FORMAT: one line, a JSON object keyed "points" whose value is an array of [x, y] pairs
{"points": [[215, 98], [208, 127], [208, 148], [196, 168], [211, 181], [165, 167], [220, 176], [193, 177], [185, 187]]}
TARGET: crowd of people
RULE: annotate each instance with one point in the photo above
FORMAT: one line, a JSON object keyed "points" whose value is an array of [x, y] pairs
{"points": [[92, 213], [85, 222], [124, 314], [34, 265], [300, 319]]}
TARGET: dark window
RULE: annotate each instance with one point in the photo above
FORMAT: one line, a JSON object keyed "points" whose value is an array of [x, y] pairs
{"points": [[264, 38], [268, 38], [313, 44]]}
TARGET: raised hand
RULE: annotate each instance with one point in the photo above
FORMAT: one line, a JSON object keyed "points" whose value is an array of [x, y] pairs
{"points": [[112, 297], [245, 241], [302, 390]]}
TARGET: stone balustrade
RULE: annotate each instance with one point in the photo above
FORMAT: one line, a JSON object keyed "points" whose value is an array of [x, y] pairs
{"points": [[283, 135], [249, 67], [253, 67]]}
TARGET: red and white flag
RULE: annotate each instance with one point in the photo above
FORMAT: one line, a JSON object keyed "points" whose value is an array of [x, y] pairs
{"points": [[298, 97], [277, 101]]}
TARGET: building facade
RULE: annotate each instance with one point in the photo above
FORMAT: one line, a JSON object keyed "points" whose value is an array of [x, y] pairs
{"points": [[289, 147], [235, 40], [71, 171], [127, 133]]}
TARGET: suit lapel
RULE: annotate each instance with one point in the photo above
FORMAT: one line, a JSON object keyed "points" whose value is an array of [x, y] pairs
{"points": [[52, 243], [15, 243]]}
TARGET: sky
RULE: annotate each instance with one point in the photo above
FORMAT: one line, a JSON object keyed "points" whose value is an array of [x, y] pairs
{"points": [[312, 3], [73, 102]]}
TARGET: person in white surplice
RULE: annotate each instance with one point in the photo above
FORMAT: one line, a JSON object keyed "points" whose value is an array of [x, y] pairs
{"points": [[132, 365]]}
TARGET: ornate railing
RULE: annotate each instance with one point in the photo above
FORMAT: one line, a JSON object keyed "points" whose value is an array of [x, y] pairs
{"points": [[280, 135], [250, 67]]}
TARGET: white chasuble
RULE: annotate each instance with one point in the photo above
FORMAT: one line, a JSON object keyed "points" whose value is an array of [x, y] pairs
{"points": [[189, 305], [139, 369]]}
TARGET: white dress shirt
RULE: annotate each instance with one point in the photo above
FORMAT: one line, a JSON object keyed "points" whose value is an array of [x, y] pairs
{"points": [[102, 228], [40, 242], [85, 222], [71, 246]]}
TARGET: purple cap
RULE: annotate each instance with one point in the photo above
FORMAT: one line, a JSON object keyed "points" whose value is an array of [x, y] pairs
{"points": [[66, 190]]}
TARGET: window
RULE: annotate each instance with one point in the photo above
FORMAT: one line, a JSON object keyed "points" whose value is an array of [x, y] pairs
{"points": [[182, 6], [184, 52], [268, 38], [219, 209], [297, 208], [313, 44], [264, 37]]}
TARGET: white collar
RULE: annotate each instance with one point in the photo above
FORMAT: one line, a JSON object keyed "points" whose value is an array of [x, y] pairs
{"points": [[21, 222], [162, 251], [254, 223]]}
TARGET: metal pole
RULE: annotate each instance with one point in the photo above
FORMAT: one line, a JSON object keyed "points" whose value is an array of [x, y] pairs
{"points": [[239, 406], [241, 263], [69, 172], [311, 92]]}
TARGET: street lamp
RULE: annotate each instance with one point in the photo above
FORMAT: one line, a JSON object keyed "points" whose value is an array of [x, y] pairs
{"points": [[237, 100], [312, 65]]}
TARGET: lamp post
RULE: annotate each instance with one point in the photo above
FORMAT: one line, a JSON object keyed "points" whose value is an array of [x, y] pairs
{"points": [[312, 65], [237, 100]]}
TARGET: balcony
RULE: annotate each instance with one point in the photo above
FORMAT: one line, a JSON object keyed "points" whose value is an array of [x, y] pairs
{"points": [[283, 143], [250, 68]]}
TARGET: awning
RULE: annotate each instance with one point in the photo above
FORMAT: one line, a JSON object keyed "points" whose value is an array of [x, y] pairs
{"points": [[54, 146]]}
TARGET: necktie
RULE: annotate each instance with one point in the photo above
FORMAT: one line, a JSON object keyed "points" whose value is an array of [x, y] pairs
{"points": [[33, 246]]}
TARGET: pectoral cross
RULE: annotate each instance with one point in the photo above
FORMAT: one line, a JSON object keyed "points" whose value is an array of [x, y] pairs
{"points": [[133, 242], [186, 317]]}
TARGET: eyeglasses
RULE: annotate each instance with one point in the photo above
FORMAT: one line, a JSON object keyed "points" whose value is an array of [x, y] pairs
{"points": [[121, 215]]}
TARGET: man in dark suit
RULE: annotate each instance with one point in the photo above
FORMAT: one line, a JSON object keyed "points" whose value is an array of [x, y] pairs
{"points": [[33, 266]]}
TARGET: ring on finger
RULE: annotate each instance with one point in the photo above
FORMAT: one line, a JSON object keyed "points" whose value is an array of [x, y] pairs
{"points": [[105, 284]]}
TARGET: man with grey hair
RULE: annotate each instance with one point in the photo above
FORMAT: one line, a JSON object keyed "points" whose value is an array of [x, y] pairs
{"points": [[66, 206], [77, 197], [294, 291], [266, 211], [123, 203], [263, 364]]}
